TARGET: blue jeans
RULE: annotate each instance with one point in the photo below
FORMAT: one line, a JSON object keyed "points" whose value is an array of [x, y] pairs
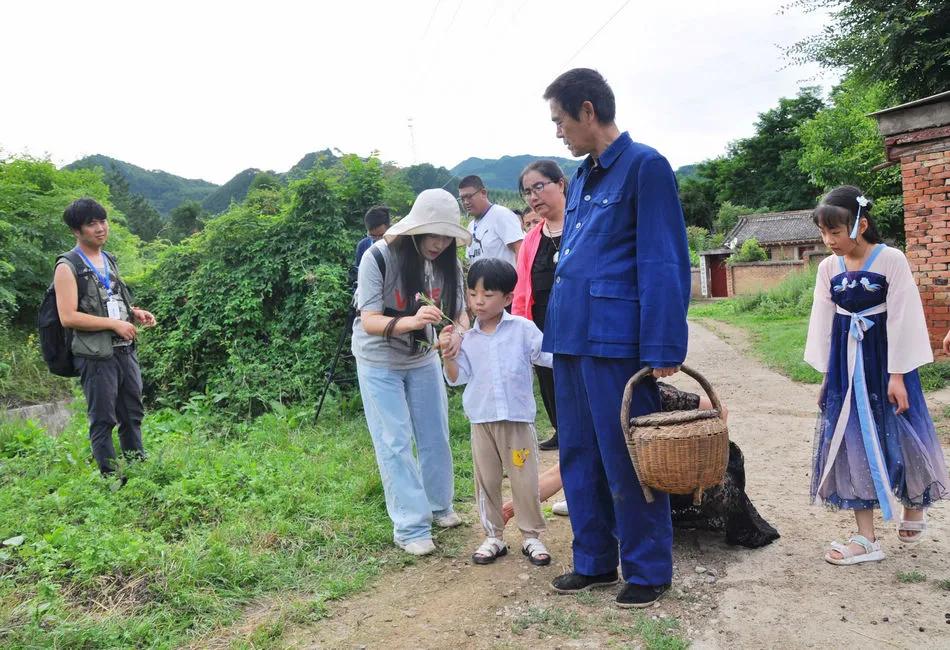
{"points": [[403, 407]]}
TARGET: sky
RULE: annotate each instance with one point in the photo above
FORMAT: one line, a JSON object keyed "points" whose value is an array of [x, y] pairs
{"points": [[205, 89]]}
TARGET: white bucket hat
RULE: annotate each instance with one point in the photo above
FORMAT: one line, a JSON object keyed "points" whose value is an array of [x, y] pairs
{"points": [[435, 212]]}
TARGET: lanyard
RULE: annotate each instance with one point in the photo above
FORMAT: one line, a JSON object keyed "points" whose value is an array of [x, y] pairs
{"points": [[103, 278]]}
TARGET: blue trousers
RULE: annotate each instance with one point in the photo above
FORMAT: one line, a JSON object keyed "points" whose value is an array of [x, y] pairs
{"points": [[406, 409], [606, 503]]}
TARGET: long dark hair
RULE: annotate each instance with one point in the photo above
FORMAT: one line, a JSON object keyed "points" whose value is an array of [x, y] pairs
{"points": [[411, 265], [840, 208]]}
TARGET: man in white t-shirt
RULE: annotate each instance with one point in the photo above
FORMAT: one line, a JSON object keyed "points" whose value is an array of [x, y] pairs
{"points": [[496, 230]]}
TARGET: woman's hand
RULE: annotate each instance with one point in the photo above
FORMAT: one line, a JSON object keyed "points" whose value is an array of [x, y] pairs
{"points": [[426, 315], [659, 373], [946, 343], [897, 393]]}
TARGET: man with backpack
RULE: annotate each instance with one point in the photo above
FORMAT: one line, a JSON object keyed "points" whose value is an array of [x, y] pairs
{"points": [[95, 307]]}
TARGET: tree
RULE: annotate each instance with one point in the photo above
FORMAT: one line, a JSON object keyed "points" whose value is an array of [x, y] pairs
{"points": [[265, 180], [728, 216], [185, 220], [426, 176], [698, 196], [143, 219], [750, 251], [764, 169], [905, 43], [842, 146]]}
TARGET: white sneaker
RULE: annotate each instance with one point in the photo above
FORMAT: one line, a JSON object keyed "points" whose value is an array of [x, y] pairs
{"points": [[560, 508], [450, 520], [417, 547]]}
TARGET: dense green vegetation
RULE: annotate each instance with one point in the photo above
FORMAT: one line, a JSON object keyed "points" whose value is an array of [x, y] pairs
{"points": [[222, 513]]}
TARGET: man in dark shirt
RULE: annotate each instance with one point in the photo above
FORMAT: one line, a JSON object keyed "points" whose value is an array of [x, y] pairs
{"points": [[377, 222], [619, 300]]}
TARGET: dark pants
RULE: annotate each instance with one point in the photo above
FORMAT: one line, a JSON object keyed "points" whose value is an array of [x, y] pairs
{"points": [[113, 390], [607, 507], [546, 383]]}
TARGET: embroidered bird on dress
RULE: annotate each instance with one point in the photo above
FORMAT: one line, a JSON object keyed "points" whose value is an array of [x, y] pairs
{"points": [[845, 285], [868, 286]]}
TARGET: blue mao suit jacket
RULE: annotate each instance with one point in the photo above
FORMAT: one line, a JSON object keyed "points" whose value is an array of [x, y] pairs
{"points": [[622, 284]]}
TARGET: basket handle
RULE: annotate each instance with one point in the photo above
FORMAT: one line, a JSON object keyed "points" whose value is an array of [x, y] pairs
{"points": [[646, 371]]}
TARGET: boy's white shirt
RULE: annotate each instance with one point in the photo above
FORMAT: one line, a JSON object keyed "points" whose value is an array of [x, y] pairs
{"points": [[497, 370]]}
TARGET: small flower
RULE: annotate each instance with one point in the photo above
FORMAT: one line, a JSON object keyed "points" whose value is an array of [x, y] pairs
{"points": [[862, 201]]}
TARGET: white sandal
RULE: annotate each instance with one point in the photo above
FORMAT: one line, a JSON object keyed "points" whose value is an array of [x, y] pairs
{"points": [[490, 550], [536, 551], [916, 527], [872, 552]]}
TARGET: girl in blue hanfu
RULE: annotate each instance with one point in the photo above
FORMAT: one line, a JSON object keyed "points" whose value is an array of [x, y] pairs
{"points": [[875, 446]]}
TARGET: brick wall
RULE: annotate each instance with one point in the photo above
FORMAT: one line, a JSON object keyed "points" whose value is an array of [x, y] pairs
{"points": [[752, 277], [926, 181]]}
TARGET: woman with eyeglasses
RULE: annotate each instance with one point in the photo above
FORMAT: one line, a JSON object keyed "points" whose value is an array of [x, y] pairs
{"points": [[543, 187]]}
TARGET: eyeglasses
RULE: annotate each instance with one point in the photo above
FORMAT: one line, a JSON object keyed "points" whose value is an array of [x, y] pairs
{"points": [[537, 188], [465, 198]]}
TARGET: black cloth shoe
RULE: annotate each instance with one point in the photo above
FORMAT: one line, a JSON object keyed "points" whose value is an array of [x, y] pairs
{"points": [[549, 444], [572, 583], [639, 595]]}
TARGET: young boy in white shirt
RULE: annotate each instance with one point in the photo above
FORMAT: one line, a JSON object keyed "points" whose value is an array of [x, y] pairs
{"points": [[495, 362]]}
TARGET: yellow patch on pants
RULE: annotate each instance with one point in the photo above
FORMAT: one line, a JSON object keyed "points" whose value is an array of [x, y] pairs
{"points": [[519, 456]]}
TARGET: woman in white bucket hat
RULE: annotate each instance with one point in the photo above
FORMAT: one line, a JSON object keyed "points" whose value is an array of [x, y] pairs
{"points": [[399, 372]]}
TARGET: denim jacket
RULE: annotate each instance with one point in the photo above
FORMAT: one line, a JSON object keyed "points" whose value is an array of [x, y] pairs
{"points": [[622, 283]]}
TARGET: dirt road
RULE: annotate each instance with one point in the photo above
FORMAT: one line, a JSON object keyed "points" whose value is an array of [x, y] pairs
{"points": [[723, 597]]}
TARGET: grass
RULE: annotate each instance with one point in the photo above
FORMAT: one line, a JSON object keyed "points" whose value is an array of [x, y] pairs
{"points": [[777, 322], [661, 633], [911, 577], [549, 622], [222, 515], [24, 377], [944, 584]]}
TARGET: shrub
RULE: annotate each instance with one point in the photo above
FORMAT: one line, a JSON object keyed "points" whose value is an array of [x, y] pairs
{"points": [[750, 251]]}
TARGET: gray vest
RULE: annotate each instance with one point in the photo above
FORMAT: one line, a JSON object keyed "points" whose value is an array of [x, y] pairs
{"points": [[97, 344]]}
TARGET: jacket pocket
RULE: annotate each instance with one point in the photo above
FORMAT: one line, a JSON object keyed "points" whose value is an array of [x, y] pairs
{"points": [[614, 312], [607, 214]]}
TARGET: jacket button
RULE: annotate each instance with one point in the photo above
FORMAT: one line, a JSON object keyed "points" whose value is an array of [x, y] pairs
{"points": [[567, 251], [587, 198], [558, 279], [576, 226], [605, 201]]}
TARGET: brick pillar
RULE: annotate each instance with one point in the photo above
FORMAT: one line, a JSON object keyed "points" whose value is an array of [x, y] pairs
{"points": [[926, 181], [917, 135]]}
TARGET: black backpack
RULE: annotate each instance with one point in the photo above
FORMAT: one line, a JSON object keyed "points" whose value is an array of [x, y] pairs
{"points": [[56, 341]]}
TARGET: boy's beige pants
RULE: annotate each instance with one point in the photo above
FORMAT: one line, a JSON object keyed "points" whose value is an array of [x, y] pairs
{"points": [[512, 448]]}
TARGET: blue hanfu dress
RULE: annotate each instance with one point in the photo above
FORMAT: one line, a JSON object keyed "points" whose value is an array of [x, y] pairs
{"points": [[865, 325]]}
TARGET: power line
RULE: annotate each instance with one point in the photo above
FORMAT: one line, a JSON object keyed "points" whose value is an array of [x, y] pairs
{"points": [[581, 49], [435, 9]]}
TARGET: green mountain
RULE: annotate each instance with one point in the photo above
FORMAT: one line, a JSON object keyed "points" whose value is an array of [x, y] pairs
{"points": [[163, 190], [502, 173], [686, 171], [235, 189]]}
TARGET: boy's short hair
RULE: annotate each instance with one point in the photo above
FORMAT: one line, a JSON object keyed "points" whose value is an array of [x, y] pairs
{"points": [[472, 181], [82, 212], [376, 216], [496, 275]]}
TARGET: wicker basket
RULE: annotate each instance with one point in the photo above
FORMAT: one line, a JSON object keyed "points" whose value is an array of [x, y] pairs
{"points": [[679, 452]]}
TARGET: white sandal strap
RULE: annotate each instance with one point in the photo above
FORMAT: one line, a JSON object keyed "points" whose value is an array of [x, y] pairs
{"points": [[490, 547], [535, 547], [909, 525], [861, 540]]}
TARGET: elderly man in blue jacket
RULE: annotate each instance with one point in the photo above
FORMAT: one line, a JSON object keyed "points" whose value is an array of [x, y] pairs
{"points": [[619, 302]]}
